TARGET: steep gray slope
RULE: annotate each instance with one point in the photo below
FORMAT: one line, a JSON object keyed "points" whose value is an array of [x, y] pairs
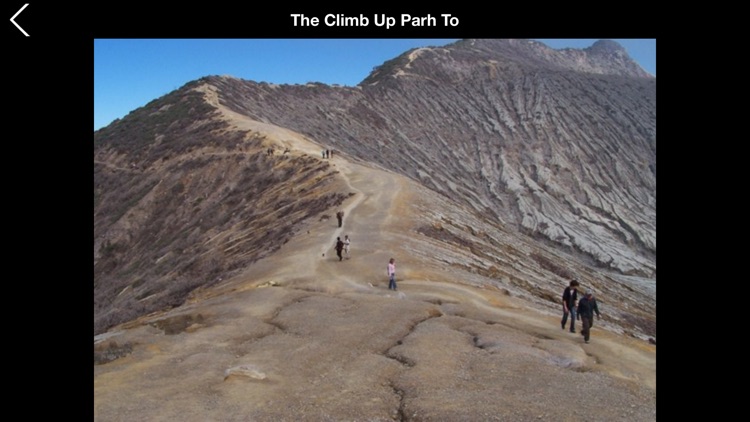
{"points": [[559, 144]]}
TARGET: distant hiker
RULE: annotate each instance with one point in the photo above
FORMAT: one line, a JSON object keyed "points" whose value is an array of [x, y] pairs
{"points": [[346, 245], [570, 295], [269, 151], [340, 216], [392, 274], [331, 153], [328, 154], [339, 248], [586, 309], [323, 153]]}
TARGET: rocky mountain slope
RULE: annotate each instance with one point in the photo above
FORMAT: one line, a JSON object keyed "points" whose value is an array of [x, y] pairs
{"points": [[494, 171], [300, 335], [559, 144], [181, 200]]}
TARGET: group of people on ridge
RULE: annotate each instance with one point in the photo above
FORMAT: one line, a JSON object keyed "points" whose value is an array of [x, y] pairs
{"points": [[583, 309], [342, 248], [342, 245]]}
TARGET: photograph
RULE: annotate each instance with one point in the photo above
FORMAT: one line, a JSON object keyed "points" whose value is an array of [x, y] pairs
{"points": [[374, 229]]}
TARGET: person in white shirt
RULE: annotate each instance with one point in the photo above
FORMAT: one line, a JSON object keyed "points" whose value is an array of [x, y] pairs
{"points": [[392, 274]]}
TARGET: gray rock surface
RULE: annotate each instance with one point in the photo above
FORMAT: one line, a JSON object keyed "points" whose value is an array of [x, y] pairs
{"points": [[559, 144]]}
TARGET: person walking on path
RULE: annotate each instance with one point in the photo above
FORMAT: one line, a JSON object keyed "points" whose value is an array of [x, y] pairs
{"points": [[392, 274], [340, 216], [586, 309], [339, 247], [346, 245], [570, 295]]}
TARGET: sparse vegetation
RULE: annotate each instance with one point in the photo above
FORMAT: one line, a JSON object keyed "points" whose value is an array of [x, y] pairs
{"points": [[640, 323], [552, 267], [206, 189], [437, 231], [178, 324], [109, 351]]}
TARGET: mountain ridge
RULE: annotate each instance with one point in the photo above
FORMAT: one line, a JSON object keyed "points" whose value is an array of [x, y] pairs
{"points": [[500, 140], [218, 295], [300, 335], [604, 57], [501, 105]]}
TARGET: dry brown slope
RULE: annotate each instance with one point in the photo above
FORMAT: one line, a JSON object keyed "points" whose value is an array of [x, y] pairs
{"points": [[183, 199], [311, 338]]}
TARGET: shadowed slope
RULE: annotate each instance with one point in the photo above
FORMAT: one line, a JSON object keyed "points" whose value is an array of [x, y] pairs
{"points": [[183, 199]]}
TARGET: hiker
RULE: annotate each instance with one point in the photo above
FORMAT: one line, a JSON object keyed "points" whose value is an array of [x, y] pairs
{"points": [[331, 153], [586, 309], [392, 274], [339, 247], [570, 295], [340, 216], [346, 245], [328, 154], [323, 153]]}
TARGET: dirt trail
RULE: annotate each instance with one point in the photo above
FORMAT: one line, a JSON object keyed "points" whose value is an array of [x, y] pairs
{"points": [[319, 339]]}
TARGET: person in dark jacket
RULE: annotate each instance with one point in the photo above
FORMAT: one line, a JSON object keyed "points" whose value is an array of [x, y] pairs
{"points": [[340, 216], [570, 295], [339, 248], [586, 309]]}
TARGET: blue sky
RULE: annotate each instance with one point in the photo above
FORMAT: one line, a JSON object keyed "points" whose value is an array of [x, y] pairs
{"points": [[128, 73]]}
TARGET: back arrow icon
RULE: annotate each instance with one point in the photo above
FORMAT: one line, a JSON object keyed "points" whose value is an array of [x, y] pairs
{"points": [[15, 16]]}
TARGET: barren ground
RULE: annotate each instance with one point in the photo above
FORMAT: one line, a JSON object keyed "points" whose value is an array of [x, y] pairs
{"points": [[302, 336]]}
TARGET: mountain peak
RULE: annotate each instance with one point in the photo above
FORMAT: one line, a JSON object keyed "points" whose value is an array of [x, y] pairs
{"points": [[605, 57], [607, 47]]}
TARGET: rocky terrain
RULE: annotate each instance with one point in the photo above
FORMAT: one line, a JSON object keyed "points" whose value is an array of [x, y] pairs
{"points": [[559, 144], [494, 171], [181, 201]]}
